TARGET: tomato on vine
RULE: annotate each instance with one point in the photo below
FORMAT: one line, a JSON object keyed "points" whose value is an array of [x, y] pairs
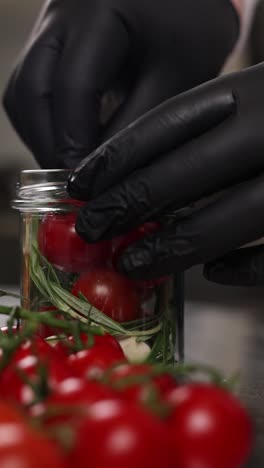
{"points": [[116, 434], [136, 382], [28, 361], [95, 361], [71, 399], [87, 341], [21, 447], [208, 427]]}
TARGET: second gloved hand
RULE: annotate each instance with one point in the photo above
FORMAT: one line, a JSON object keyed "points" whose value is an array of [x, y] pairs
{"points": [[203, 148], [143, 51]]}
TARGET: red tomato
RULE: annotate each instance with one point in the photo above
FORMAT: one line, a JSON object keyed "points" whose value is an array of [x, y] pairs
{"points": [[209, 427], [27, 361], [45, 330], [110, 292], [36, 346], [15, 329], [98, 340], [9, 414], [121, 243], [139, 391], [120, 435], [20, 447], [71, 400], [79, 392], [67, 346], [93, 362], [61, 349], [25, 449], [63, 247]]}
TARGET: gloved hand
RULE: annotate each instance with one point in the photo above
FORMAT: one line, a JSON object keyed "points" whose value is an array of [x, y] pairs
{"points": [[202, 150], [143, 51], [242, 267]]}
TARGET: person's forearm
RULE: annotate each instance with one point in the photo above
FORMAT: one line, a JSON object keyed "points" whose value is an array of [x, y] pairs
{"points": [[245, 9], [238, 4]]}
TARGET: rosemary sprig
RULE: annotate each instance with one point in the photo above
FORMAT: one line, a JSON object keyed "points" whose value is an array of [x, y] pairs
{"points": [[46, 281]]}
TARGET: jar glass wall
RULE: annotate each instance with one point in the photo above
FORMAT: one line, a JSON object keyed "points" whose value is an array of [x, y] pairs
{"points": [[62, 273]]}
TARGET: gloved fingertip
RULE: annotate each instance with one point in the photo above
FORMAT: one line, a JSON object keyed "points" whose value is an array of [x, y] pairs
{"points": [[87, 227], [215, 272], [133, 261], [72, 188], [226, 274]]}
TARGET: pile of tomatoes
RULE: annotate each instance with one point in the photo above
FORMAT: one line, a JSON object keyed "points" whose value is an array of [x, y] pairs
{"points": [[96, 266], [80, 404]]}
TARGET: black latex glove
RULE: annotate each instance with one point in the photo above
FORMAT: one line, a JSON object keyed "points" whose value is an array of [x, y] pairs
{"points": [[243, 267], [205, 145], [145, 51]]}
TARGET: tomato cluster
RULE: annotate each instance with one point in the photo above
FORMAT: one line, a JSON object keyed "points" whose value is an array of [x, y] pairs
{"points": [[91, 409], [96, 266]]}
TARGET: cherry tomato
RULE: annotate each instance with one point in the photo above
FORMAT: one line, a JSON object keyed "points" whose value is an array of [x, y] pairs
{"points": [[25, 449], [64, 248], [45, 330], [15, 330], [13, 386], [120, 435], [10, 414], [120, 244], [73, 202], [110, 292], [92, 362], [97, 340], [209, 427], [68, 346], [62, 349], [71, 400], [27, 362], [36, 346], [20, 447], [139, 391]]}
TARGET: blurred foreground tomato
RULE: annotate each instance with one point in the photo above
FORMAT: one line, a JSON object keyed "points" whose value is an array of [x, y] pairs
{"points": [[209, 428], [120, 435]]}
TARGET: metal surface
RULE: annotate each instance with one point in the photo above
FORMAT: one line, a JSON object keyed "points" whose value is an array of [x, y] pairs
{"points": [[232, 339], [225, 327]]}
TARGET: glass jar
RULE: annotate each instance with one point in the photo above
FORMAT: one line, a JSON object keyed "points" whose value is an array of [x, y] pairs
{"points": [[64, 274]]}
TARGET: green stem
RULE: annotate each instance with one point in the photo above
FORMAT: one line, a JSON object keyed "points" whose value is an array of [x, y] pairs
{"points": [[47, 318], [150, 331]]}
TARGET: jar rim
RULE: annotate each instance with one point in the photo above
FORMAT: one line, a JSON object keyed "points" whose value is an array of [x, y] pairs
{"points": [[34, 173], [42, 190]]}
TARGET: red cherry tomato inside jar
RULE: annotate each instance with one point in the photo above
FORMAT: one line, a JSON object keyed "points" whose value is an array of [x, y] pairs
{"points": [[110, 292], [64, 248]]}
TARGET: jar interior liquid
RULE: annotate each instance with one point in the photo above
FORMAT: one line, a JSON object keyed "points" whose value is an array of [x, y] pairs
{"points": [[63, 274]]}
